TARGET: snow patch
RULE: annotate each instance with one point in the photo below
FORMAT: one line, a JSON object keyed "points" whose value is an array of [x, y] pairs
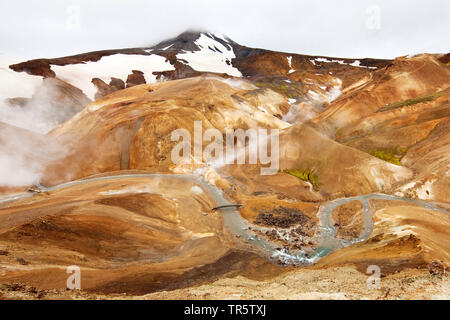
{"points": [[289, 59], [39, 115], [16, 84], [165, 48], [210, 60], [118, 65], [324, 95], [355, 63]]}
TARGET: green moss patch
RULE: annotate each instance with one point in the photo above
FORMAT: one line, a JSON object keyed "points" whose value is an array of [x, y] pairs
{"points": [[414, 101], [307, 175], [393, 155]]}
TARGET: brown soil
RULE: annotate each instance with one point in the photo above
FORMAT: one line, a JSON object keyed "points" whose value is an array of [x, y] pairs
{"points": [[348, 220]]}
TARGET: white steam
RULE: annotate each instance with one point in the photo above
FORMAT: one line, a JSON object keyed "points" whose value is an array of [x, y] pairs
{"points": [[25, 155], [24, 151], [16, 84], [36, 118], [44, 111]]}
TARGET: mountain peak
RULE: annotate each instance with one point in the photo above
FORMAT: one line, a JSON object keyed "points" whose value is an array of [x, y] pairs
{"points": [[189, 41]]}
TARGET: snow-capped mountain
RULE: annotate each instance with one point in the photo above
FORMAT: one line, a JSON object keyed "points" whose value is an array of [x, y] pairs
{"points": [[359, 146], [187, 55]]}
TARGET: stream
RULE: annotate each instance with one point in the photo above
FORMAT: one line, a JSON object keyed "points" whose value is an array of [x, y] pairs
{"points": [[328, 241]]}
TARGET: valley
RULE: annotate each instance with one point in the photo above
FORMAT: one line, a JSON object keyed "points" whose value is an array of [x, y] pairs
{"points": [[360, 149]]}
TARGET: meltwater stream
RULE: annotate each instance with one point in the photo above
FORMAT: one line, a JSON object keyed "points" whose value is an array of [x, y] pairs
{"points": [[328, 241], [239, 226]]}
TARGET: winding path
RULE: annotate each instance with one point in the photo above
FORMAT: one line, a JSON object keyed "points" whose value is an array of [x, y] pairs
{"points": [[239, 226]]}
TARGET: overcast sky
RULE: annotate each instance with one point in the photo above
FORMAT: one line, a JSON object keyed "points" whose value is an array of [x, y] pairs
{"points": [[344, 28]]}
